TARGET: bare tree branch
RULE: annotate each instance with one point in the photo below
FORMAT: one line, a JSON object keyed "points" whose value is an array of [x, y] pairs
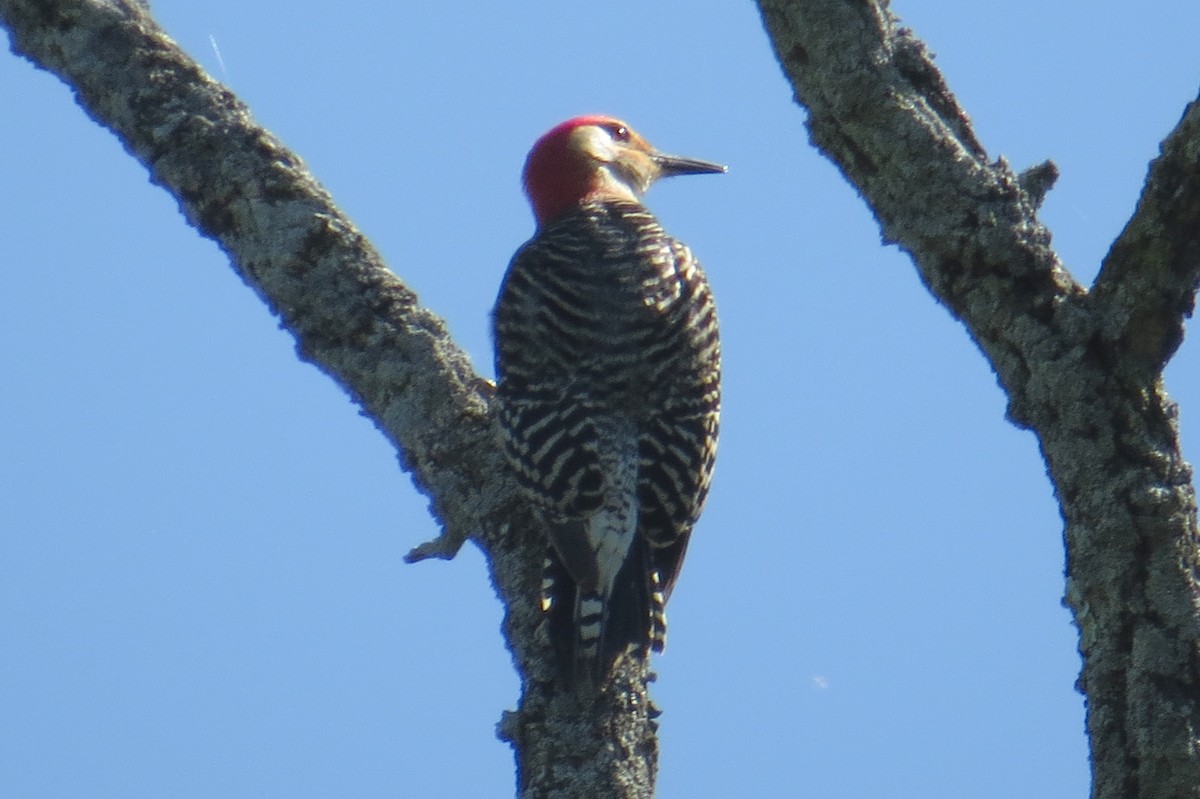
{"points": [[357, 322], [881, 112], [1148, 281], [240, 187]]}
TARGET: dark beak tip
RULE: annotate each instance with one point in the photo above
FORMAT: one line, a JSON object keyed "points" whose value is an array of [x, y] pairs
{"points": [[677, 165]]}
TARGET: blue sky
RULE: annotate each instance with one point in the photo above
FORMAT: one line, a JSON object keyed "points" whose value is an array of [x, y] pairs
{"points": [[202, 590]]}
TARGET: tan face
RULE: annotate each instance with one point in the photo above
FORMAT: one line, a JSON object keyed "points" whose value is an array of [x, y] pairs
{"points": [[623, 160]]}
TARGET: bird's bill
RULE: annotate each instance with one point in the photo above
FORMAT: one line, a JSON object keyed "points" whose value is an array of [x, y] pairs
{"points": [[677, 165]]}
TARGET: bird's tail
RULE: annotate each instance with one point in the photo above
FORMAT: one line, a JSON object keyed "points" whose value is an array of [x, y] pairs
{"points": [[589, 631]]}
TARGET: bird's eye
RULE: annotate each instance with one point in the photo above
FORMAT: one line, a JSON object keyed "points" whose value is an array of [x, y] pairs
{"points": [[619, 132]]}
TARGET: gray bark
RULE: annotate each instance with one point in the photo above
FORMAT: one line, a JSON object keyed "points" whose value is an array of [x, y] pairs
{"points": [[356, 321], [1082, 367]]}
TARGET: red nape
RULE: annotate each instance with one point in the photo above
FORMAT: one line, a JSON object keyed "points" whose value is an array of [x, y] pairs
{"points": [[556, 177]]}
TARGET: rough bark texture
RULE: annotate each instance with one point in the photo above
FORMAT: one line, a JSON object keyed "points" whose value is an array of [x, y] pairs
{"points": [[1082, 368], [357, 322]]}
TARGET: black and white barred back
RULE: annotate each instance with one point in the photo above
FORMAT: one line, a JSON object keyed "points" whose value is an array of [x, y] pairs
{"points": [[608, 365]]}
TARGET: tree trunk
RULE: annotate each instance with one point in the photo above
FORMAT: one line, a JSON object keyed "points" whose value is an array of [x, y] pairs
{"points": [[357, 322], [1082, 367]]}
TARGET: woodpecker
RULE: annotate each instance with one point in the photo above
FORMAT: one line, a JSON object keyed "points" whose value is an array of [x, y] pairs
{"points": [[608, 390]]}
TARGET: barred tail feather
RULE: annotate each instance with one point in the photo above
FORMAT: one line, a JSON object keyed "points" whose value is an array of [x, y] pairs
{"points": [[558, 605], [590, 632], [658, 613]]}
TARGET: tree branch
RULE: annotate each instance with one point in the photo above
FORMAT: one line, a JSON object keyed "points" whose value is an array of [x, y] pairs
{"points": [[358, 323], [1148, 281], [881, 112], [239, 186]]}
